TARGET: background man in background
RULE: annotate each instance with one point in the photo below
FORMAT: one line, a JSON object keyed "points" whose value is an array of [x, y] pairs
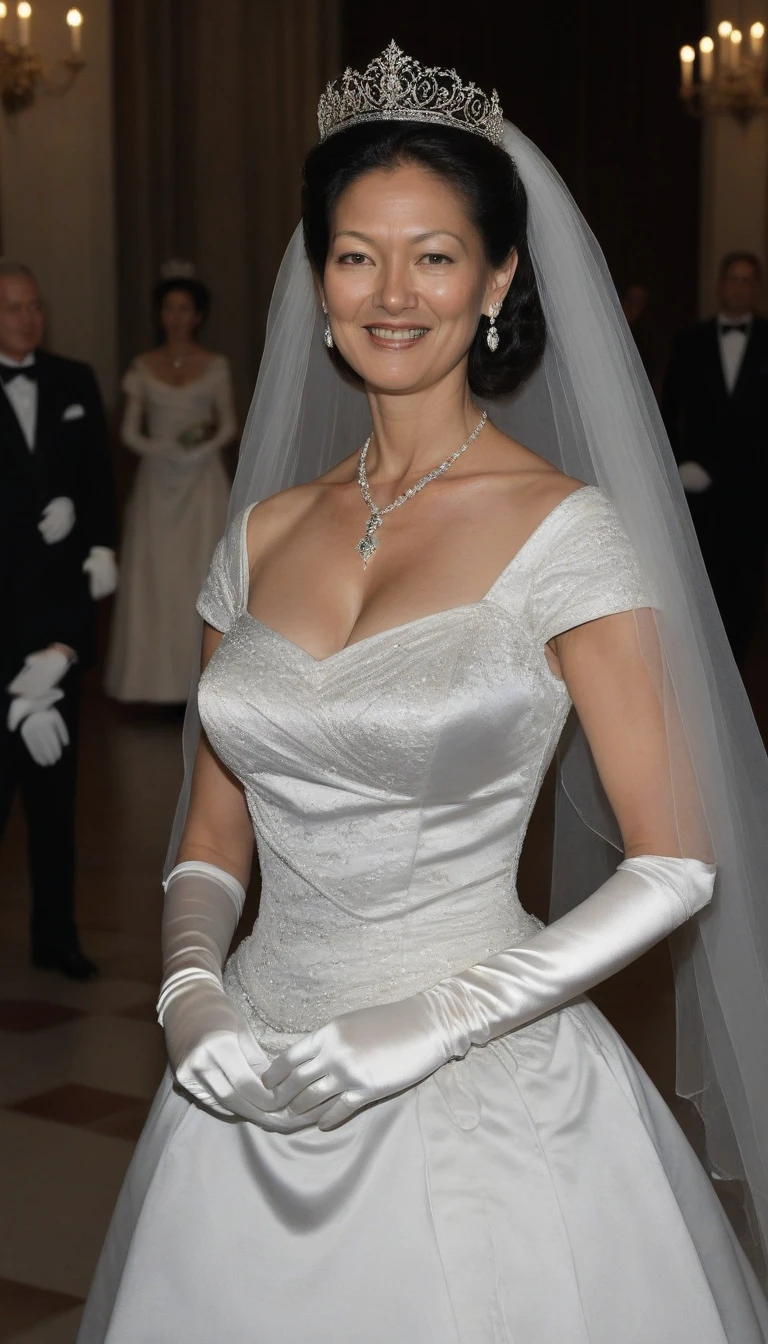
{"points": [[635, 301], [57, 537], [715, 407]]}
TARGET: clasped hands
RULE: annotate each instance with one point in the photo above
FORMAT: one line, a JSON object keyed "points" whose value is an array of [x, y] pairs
{"points": [[323, 1079]]}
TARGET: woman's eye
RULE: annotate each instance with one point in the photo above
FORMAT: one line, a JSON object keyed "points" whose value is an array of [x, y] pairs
{"points": [[437, 258], [352, 259]]}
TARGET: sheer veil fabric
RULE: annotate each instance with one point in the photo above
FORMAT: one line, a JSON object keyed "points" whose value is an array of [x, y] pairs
{"points": [[590, 410]]}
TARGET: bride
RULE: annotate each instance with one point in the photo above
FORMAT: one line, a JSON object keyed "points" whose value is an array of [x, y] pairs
{"points": [[394, 1116]]}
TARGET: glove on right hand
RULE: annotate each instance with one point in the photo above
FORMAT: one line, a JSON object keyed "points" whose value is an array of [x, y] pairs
{"points": [[217, 1060]]}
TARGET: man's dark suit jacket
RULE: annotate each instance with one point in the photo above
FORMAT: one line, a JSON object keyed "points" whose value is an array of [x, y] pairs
{"points": [[44, 593], [726, 433]]}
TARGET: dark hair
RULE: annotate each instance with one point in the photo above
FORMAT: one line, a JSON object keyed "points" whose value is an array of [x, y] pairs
{"points": [[186, 284], [489, 184], [731, 258]]}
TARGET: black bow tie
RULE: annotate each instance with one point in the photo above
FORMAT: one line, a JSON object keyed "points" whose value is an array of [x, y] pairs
{"points": [[743, 327], [10, 371]]}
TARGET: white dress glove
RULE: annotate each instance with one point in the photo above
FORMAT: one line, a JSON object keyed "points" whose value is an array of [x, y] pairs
{"points": [[45, 736], [21, 707], [101, 567], [364, 1056], [41, 672], [694, 478], [57, 520], [212, 1051]]}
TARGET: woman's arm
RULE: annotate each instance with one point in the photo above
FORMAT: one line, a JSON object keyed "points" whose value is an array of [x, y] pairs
{"points": [[619, 685], [226, 420], [218, 828], [131, 428]]}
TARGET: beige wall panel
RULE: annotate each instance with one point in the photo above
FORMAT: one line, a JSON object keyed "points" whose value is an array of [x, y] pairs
{"points": [[56, 191], [734, 203]]}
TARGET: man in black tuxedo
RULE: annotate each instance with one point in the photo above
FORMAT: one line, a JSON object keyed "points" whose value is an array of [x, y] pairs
{"points": [[715, 407], [57, 538]]}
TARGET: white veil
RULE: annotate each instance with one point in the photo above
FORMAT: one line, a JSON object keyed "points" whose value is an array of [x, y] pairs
{"points": [[590, 410]]}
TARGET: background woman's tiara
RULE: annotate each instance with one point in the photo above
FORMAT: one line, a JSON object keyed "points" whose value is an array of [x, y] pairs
{"points": [[395, 87]]}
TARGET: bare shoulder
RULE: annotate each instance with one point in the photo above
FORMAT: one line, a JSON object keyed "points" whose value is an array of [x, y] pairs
{"points": [[279, 513], [530, 487]]}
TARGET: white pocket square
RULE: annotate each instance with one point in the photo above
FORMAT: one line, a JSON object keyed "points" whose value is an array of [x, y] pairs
{"points": [[75, 412]]}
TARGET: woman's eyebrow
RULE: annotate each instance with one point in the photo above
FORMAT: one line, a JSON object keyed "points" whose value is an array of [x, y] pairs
{"points": [[418, 238]]}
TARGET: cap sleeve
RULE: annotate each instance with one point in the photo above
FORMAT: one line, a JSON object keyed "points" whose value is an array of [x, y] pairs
{"points": [[132, 380], [224, 595], [588, 568]]}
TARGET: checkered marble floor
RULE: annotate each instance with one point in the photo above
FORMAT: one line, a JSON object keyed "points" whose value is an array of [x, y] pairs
{"points": [[79, 1064]]}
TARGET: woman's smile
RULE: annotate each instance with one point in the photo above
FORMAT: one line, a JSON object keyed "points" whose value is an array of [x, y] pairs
{"points": [[387, 337]]}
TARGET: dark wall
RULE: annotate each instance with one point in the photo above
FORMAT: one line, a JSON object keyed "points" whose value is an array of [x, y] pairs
{"points": [[595, 86]]}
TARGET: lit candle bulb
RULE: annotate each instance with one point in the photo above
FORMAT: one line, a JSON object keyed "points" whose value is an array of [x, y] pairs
{"points": [[756, 35], [75, 21], [706, 59], [24, 14], [687, 57], [735, 47], [724, 31], [3, 17]]}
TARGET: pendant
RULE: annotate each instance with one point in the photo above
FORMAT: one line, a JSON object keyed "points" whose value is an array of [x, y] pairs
{"points": [[369, 544]]}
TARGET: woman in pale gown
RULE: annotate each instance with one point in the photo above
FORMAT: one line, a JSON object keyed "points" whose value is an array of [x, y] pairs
{"points": [[179, 415], [394, 1118]]}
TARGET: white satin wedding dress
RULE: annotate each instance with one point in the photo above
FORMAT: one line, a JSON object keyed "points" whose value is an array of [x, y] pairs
{"points": [[175, 514], [536, 1192]]}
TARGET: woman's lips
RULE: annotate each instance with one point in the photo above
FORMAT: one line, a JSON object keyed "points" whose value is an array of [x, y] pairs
{"points": [[396, 338]]}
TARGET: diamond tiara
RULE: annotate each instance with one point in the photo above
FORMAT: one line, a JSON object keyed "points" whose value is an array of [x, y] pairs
{"points": [[395, 87]]}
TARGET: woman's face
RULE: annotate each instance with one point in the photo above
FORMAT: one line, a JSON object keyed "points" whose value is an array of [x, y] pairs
{"points": [[179, 317], [406, 279]]}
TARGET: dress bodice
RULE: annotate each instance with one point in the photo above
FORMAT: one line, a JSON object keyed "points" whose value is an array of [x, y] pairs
{"points": [[170, 411], [391, 784]]}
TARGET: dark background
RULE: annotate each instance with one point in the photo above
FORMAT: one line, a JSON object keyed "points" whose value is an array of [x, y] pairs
{"points": [[213, 119], [594, 85]]}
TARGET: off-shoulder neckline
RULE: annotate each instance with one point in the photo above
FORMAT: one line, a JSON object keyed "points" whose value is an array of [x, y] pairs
{"points": [[176, 387], [528, 545]]}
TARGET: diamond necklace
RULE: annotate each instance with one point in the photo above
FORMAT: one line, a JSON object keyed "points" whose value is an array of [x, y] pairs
{"points": [[368, 545]]}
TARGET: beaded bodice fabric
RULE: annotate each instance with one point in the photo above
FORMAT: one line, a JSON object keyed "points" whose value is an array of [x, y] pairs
{"points": [[391, 784]]}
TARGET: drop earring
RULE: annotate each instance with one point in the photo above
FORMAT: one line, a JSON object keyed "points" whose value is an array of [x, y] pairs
{"points": [[327, 334], [492, 335]]}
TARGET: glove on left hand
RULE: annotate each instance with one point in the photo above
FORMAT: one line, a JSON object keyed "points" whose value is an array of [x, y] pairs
{"points": [[42, 671], [364, 1056]]}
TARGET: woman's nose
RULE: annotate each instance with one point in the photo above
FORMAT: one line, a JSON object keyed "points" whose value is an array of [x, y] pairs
{"points": [[395, 291]]}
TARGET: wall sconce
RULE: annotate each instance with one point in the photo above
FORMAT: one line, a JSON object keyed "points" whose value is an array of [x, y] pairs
{"points": [[22, 73], [731, 74]]}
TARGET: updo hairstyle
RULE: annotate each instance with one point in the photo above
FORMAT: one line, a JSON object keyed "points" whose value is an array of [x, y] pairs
{"points": [[186, 284], [489, 184]]}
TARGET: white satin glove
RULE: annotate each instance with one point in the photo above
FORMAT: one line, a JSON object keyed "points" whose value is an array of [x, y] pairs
{"points": [[42, 671], [57, 520], [21, 707], [364, 1056], [45, 736], [212, 1051], [101, 567], [694, 478]]}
